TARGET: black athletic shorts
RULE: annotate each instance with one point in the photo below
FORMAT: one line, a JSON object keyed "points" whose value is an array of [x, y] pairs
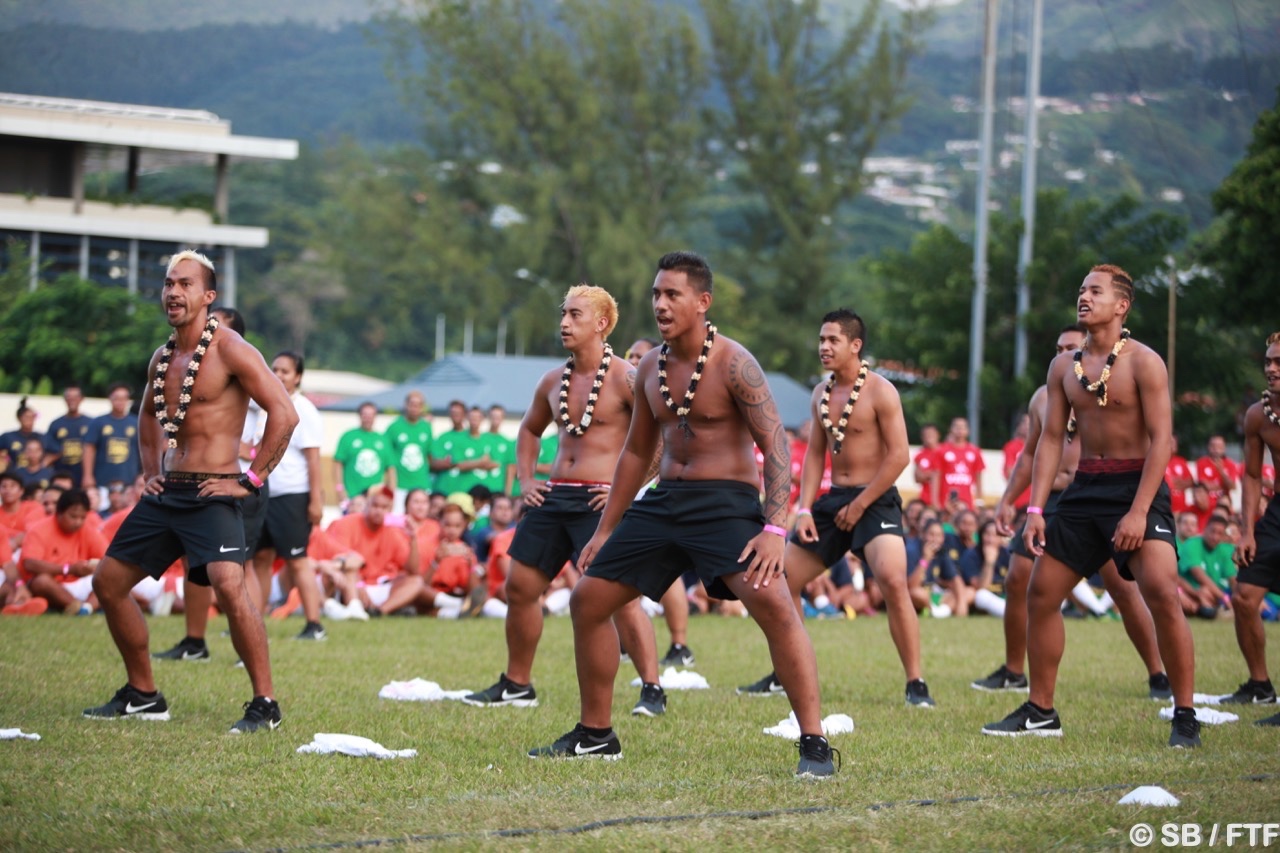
{"points": [[1088, 512], [178, 522], [1017, 546], [550, 535], [680, 525], [254, 509], [285, 528], [882, 518], [1264, 571]]}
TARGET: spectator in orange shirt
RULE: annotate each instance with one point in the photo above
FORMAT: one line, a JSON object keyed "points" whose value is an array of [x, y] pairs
{"points": [[928, 467], [962, 465], [452, 569], [424, 527], [1216, 470], [60, 554], [385, 581], [16, 514]]}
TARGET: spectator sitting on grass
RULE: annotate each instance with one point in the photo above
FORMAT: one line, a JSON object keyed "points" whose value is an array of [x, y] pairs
{"points": [[60, 554], [387, 581], [933, 577], [1207, 570], [16, 513], [984, 568], [453, 570]]}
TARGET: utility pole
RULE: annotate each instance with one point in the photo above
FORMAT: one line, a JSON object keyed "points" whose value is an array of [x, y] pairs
{"points": [[979, 319], [1030, 151]]}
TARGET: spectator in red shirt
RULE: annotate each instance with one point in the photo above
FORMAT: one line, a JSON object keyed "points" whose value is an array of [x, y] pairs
{"points": [[962, 465], [1217, 471], [1012, 449], [1177, 474], [928, 467], [16, 515], [386, 581], [60, 554]]}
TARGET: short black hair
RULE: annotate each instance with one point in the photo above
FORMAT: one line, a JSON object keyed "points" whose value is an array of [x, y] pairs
{"points": [[116, 386], [850, 323], [1074, 327], [12, 475], [234, 318], [299, 365], [693, 265], [72, 498]]}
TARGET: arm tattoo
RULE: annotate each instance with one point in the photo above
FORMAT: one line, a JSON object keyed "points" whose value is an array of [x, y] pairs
{"points": [[631, 381], [751, 390]]}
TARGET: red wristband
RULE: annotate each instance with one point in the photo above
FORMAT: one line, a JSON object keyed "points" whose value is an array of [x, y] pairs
{"points": [[253, 478], [776, 530], [1035, 510]]}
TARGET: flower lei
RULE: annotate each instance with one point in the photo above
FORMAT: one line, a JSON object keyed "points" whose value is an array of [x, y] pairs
{"points": [[581, 428], [837, 430], [682, 411], [1100, 387], [1268, 409], [172, 425]]}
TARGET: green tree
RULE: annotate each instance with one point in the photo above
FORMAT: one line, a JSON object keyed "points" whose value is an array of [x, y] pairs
{"points": [[805, 104], [72, 330]]}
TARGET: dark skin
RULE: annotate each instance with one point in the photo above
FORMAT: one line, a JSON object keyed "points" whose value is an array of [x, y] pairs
{"points": [[1136, 424], [231, 373]]}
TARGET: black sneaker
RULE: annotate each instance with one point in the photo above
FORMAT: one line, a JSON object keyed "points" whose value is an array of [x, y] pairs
{"points": [[1273, 720], [653, 701], [815, 758], [1002, 680], [678, 655], [132, 703], [579, 744], [1251, 693], [259, 714], [1186, 730], [313, 631], [505, 692], [188, 648], [918, 694], [1158, 687], [1026, 721], [767, 686]]}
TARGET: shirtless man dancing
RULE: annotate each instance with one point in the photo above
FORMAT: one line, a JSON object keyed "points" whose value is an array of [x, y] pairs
{"points": [[706, 399], [200, 385]]}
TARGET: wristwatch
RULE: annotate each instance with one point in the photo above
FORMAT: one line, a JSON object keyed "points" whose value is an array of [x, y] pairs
{"points": [[243, 480]]}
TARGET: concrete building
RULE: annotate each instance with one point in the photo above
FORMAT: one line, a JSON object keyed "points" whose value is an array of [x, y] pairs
{"points": [[49, 145]]}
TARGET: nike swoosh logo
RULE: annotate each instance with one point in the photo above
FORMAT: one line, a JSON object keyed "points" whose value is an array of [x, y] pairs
{"points": [[223, 549], [507, 695], [1039, 725], [191, 656], [293, 552], [777, 688], [131, 708], [1160, 529], [578, 748], [887, 526]]}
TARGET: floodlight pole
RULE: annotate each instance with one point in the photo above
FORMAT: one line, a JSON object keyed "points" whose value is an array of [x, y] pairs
{"points": [[1029, 152], [978, 325]]}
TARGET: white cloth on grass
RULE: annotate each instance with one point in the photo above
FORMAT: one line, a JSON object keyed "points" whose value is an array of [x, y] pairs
{"points": [[353, 745], [16, 734], [1149, 795], [674, 679], [419, 690], [833, 724], [1208, 716]]}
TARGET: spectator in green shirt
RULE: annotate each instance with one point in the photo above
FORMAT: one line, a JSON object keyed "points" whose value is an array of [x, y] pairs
{"points": [[466, 449], [410, 438], [363, 457], [501, 450], [1206, 570]]}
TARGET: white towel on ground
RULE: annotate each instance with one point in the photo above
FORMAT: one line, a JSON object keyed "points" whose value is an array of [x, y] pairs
{"points": [[16, 734], [353, 745], [1207, 699], [833, 724], [1208, 716], [419, 690], [675, 679], [1149, 795]]}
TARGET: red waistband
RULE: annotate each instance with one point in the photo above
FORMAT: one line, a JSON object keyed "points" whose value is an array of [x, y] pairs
{"points": [[577, 483], [1110, 466]]}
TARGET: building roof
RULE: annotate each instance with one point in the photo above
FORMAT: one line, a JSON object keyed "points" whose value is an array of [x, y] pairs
{"points": [[509, 381], [132, 125]]}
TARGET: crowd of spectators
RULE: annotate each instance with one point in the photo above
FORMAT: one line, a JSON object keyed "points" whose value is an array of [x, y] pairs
{"points": [[426, 521]]}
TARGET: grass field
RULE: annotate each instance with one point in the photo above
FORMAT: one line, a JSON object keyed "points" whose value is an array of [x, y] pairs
{"points": [[701, 776]]}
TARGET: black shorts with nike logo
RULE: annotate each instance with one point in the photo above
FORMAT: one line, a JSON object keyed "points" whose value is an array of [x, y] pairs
{"points": [[1079, 534], [178, 522], [1264, 571], [882, 518]]}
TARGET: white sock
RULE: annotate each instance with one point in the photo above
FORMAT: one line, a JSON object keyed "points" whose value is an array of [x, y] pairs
{"points": [[494, 609], [443, 600], [988, 602], [558, 601], [1088, 599], [448, 612]]}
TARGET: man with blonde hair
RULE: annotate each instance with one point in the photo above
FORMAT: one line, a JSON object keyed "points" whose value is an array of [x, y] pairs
{"points": [[590, 399]]}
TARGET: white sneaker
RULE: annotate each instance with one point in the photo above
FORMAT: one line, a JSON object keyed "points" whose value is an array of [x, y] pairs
{"points": [[162, 604], [355, 610], [334, 611], [940, 611]]}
